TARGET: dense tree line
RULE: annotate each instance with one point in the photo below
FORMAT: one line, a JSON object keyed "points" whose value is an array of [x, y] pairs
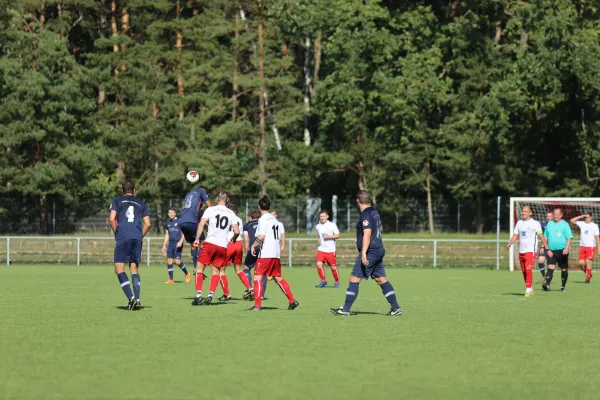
{"points": [[462, 99]]}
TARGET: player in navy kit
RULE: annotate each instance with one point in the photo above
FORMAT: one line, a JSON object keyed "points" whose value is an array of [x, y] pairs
{"points": [[369, 263], [249, 230], [543, 252], [126, 215], [173, 246], [189, 218]]}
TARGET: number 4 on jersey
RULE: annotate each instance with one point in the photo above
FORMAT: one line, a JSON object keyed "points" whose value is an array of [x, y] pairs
{"points": [[130, 214]]}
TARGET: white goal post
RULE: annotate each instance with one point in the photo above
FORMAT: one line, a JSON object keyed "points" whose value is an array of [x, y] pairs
{"points": [[571, 206]]}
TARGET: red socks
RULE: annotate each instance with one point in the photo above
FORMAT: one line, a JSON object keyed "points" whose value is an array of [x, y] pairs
{"points": [[336, 274], [258, 292], [225, 285], [214, 281], [321, 271], [285, 288], [199, 281], [588, 274], [244, 279], [528, 276]]}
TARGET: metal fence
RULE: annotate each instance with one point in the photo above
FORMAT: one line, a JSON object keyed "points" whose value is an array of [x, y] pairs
{"points": [[298, 252]]}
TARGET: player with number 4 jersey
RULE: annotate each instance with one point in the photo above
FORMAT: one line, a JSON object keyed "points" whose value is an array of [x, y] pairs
{"points": [[219, 220]]}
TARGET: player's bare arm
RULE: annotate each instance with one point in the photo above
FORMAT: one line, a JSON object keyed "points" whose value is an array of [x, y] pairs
{"points": [[180, 243], [147, 225], [543, 240], [208, 203], [246, 243], [282, 239], [164, 248], [332, 236], [112, 220], [257, 243], [575, 219], [512, 241], [318, 238], [236, 233], [365, 246], [199, 231]]}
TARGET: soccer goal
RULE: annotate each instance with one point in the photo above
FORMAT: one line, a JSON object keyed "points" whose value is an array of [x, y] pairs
{"points": [[540, 206]]}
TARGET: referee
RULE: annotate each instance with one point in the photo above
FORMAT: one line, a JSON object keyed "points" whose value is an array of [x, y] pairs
{"points": [[559, 235]]}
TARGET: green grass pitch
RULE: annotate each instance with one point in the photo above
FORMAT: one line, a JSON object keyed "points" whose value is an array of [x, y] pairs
{"points": [[465, 334]]}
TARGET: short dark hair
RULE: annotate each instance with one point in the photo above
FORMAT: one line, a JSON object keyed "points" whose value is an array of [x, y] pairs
{"points": [[232, 207], [264, 203], [172, 209], [223, 196], [255, 214], [324, 212], [128, 186], [363, 197]]}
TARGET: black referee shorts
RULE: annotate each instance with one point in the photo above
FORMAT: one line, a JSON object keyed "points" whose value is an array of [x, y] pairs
{"points": [[559, 258]]}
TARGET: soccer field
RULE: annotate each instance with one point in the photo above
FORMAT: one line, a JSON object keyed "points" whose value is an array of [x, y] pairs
{"points": [[66, 334]]}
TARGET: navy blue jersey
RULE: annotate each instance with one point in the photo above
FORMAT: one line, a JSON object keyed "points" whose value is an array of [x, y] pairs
{"points": [[191, 206], [172, 226], [251, 227], [130, 211], [544, 224], [369, 219]]}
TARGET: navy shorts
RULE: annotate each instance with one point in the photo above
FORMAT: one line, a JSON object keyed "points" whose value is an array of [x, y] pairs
{"points": [[189, 232], [543, 252], [173, 251], [375, 269], [250, 260], [128, 251]]}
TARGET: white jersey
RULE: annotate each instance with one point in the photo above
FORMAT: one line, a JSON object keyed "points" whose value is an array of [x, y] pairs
{"points": [[588, 233], [527, 231], [269, 227], [240, 226], [328, 228], [220, 219]]}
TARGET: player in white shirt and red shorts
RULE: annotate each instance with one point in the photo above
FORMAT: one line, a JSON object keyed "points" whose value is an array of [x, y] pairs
{"points": [[526, 230], [268, 262], [220, 220], [589, 242], [234, 255], [327, 233]]}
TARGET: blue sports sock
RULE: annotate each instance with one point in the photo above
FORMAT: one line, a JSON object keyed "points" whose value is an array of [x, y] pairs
{"points": [[265, 279], [170, 270], [183, 268], [542, 267], [135, 278], [388, 291], [249, 276], [124, 281], [194, 254], [351, 295]]}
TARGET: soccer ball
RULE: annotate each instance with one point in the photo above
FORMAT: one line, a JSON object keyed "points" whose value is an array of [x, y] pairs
{"points": [[193, 176]]}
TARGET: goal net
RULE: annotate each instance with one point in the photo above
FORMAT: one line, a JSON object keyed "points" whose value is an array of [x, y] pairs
{"points": [[540, 206]]}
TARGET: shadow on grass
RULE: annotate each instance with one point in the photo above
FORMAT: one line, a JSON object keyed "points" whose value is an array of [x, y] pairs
{"points": [[512, 294], [580, 282], [365, 313], [127, 308]]}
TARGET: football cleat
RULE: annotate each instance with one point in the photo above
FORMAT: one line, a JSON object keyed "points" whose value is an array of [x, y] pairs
{"points": [[587, 281], [562, 289], [546, 287], [543, 281], [249, 294], [293, 305], [340, 311], [528, 294], [197, 301], [336, 285], [322, 284], [170, 282], [253, 309], [137, 305], [395, 313], [208, 300], [188, 278], [224, 298], [131, 303]]}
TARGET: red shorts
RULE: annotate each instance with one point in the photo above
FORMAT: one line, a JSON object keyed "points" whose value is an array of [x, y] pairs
{"points": [[268, 267], [328, 258], [212, 254], [587, 253], [234, 253], [526, 260]]}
